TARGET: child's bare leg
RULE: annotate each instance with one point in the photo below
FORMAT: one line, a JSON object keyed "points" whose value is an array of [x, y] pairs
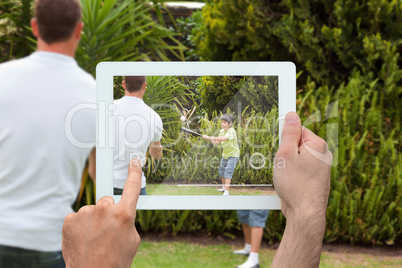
{"points": [[222, 189], [227, 184]]}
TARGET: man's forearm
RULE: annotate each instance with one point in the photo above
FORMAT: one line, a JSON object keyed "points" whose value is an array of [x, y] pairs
{"points": [[302, 241], [156, 154]]}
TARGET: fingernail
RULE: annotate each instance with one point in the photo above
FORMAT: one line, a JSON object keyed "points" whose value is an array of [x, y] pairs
{"points": [[291, 118]]}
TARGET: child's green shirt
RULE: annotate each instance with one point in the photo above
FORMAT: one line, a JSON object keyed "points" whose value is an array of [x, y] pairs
{"points": [[230, 146]]}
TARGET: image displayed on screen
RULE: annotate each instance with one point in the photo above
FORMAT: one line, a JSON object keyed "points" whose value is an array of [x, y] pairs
{"points": [[197, 135]]}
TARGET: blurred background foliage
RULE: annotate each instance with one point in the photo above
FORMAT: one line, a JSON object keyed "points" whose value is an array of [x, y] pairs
{"points": [[115, 30], [348, 60], [16, 38]]}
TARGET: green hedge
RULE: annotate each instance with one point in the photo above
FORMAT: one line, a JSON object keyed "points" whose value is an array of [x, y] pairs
{"points": [[259, 92]]}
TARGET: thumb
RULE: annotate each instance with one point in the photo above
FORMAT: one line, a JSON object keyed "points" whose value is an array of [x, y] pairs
{"points": [[291, 133]]}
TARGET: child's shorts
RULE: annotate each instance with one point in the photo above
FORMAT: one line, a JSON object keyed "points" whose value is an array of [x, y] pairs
{"points": [[227, 167], [254, 218]]}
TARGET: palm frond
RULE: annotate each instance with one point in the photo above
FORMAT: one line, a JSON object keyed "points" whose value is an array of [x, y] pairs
{"points": [[123, 30]]}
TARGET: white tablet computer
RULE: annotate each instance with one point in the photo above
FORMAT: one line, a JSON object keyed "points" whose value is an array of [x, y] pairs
{"points": [[189, 174]]}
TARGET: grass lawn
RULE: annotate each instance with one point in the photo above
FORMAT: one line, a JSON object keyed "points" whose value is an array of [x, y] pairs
{"points": [[188, 255], [174, 189]]}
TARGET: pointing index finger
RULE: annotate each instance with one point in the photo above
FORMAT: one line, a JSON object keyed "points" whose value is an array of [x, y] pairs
{"points": [[132, 187]]}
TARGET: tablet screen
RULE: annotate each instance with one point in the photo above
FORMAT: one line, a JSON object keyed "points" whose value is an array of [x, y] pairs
{"points": [[243, 103]]}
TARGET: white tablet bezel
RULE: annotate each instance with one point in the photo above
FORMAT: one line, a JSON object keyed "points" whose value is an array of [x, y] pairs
{"points": [[105, 71]]}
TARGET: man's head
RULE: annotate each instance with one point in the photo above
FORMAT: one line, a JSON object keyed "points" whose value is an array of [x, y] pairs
{"points": [[56, 20], [134, 83]]}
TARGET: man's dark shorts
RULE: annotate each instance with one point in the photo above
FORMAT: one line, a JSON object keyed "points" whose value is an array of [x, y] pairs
{"points": [[11, 257]]}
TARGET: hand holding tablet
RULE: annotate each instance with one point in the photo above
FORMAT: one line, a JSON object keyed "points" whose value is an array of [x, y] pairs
{"points": [[302, 184], [303, 175]]}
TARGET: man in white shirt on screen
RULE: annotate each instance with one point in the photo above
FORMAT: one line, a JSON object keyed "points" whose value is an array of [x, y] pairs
{"points": [[138, 127]]}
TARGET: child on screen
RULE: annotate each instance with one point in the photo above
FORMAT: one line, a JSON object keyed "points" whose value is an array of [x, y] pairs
{"points": [[230, 151]]}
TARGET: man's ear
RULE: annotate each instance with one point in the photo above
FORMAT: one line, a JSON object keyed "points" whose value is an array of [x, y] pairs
{"points": [[144, 86], [124, 84], [78, 30], [34, 26]]}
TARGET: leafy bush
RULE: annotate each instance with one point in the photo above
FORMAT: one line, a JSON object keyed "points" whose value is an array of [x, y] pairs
{"points": [[173, 222], [366, 186], [219, 93], [188, 27], [326, 39], [239, 30], [15, 34]]}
